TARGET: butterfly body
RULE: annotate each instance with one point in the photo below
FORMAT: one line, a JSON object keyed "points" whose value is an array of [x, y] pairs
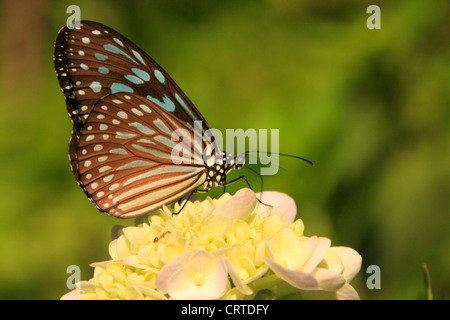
{"points": [[125, 110]]}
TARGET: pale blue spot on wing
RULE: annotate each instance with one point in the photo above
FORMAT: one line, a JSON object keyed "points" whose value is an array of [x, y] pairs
{"points": [[137, 55], [112, 48], [166, 104], [159, 76], [96, 86], [141, 74], [103, 70], [185, 107], [101, 57], [134, 79], [120, 87]]}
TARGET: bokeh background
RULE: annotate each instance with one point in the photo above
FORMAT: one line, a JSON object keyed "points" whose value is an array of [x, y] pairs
{"points": [[370, 108]]}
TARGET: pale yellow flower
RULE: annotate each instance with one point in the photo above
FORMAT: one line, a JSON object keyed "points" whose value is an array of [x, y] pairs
{"points": [[309, 263], [193, 275], [232, 247]]}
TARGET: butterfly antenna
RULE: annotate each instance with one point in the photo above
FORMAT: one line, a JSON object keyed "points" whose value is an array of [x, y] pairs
{"points": [[281, 154], [281, 167]]}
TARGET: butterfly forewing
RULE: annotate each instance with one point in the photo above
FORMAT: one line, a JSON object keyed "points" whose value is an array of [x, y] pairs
{"points": [[94, 61]]}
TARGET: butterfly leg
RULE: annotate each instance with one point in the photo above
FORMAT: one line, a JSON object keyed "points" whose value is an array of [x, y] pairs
{"points": [[185, 202], [226, 183]]}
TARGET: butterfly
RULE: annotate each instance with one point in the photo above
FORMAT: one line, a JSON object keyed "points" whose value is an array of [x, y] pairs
{"points": [[126, 111]]}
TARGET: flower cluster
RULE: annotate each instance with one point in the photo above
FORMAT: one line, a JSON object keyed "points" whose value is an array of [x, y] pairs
{"points": [[233, 247]]}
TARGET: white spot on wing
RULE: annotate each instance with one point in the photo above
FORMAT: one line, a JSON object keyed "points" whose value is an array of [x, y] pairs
{"points": [[104, 169], [136, 164], [114, 186], [118, 42], [108, 178], [145, 108], [122, 115], [123, 136], [141, 128], [118, 151], [137, 112]]}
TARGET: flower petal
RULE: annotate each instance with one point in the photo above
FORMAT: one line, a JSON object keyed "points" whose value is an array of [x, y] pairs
{"points": [[119, 248], [281, 203], [320, 249], [347, 292], [298, 279], [351, 260], [286, 249], [240, 285], [239, 206], [328, 280], [71, 295], [169, 269], [193, 276]]}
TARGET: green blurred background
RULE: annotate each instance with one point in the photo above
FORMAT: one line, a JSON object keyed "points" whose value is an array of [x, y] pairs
{"points": [[369, 107]]}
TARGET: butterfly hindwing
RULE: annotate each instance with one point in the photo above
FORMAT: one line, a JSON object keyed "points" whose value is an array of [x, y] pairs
{"points": [[124, 156]]}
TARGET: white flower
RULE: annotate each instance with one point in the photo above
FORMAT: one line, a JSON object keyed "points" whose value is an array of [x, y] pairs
{"points": [[193, 275], [228, 248]]}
